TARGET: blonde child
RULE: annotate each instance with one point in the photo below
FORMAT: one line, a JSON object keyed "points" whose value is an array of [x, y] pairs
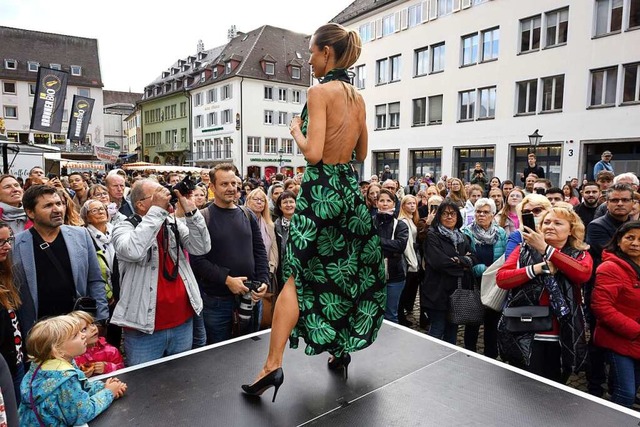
{"points": [[100, 357], [54, 391]]}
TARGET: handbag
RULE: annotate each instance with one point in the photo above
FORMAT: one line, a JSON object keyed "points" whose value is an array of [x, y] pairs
{"points": [[465, 306], [491, 295], [528, 318]]}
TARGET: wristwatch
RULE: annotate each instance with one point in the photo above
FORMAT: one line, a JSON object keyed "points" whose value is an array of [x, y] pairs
{"points": [[190, 214]]}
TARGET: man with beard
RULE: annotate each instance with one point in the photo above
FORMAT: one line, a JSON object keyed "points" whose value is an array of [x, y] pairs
{"points": [[587, 209], [54, 264]]}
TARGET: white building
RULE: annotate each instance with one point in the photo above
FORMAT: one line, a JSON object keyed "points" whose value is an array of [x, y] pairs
{"points": [[449, 83], [242, 107]]}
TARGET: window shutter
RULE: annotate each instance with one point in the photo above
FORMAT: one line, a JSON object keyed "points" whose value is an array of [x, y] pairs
{"points": [[433, 10], [456, 5], [425, 11], [230, 91], [397, 19], [378, 28], [466, 4], [404, 19]]}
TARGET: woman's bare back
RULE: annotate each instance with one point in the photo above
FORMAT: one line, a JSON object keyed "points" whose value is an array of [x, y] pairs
{"points": [[345, 122]]}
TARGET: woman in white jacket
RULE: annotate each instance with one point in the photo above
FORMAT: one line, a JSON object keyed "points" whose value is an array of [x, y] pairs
{"points": [[409, 214]]}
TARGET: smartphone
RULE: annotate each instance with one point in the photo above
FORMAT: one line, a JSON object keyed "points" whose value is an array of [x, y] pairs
{"points": [[52, 176], [528, 220], [433, 208]]}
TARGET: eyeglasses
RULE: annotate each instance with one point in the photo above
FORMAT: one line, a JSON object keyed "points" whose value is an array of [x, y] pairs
{"points": [[616, 201], [97, 210], [100, 194], [485, 213], [10, 241], [448, 214], [145, 198], [535, 211], [258, 199]]}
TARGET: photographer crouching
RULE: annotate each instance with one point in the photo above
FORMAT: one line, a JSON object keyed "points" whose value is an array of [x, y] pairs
{"points": [[158, 291]]}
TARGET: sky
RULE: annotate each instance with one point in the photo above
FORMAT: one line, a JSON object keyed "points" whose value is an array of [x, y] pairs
{"points": [[138, 39]]}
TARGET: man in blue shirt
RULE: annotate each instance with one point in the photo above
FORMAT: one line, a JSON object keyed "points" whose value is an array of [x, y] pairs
{"points": [[604, 164]]}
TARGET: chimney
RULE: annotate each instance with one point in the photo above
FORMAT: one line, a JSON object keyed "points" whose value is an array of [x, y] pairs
{"points": [[200, 46], [232, 33]]}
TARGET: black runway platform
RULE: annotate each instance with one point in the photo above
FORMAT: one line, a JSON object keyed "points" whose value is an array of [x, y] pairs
{"points": [[404, 379]]}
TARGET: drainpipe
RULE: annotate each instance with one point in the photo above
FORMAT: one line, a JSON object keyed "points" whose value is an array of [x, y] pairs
{"points": [[242, 173]]}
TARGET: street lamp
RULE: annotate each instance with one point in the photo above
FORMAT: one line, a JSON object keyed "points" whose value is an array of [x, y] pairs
{"points": [[280, 153], [534, 140]]}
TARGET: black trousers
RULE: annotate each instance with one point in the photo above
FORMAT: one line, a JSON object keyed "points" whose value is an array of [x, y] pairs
{"points": [[545, 361], [471, 333], [409, 292]]}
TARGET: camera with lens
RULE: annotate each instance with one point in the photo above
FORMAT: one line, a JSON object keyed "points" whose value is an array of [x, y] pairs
{"points": [[253, 285], [184, 187], [245, 308]]}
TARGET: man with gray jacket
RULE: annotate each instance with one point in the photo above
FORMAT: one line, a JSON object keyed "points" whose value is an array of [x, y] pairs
{"points": [[158, 292]]}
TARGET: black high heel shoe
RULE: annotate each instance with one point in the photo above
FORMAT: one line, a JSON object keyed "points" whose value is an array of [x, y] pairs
{"points": [[338, 363], [272, 379]]}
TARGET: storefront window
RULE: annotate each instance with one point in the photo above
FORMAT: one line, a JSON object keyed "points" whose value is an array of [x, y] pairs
{"points": [[467, 159], [426, 162], [547, 156]]}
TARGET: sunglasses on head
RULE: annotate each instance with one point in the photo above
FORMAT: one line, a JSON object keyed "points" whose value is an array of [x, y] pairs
{"points": [[535, 211]]}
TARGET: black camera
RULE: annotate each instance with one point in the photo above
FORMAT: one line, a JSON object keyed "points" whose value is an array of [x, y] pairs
{"points": [[253, 285], [184, 187]]}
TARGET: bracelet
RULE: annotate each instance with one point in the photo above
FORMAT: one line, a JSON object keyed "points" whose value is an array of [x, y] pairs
{"points": [[190, 214]]}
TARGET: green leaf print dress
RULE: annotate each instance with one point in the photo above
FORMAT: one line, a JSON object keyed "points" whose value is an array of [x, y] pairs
{"points": [[335, 258]]}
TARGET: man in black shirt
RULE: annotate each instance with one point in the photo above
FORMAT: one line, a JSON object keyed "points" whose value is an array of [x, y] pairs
{"points": [[237, 254], [53, 263], [587, 209], [532, 168]]}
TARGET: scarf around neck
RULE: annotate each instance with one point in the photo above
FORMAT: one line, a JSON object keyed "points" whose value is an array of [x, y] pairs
{"points": [[482, 236], [15, 217], [454, 236]]}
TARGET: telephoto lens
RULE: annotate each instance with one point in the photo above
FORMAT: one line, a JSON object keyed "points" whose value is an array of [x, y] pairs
{"points": [[245, 309]]}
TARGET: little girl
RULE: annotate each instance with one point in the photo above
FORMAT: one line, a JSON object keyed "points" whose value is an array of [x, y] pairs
{"points": [[54, 391], [100, 357]]}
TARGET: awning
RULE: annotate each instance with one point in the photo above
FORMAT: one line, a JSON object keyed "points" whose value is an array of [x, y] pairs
{"points": [[76, 165]]}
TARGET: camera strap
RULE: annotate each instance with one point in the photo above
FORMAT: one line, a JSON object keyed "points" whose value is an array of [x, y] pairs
{"points": [[166, 228]]}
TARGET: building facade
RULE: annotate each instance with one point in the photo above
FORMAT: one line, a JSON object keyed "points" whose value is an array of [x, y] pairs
{"points": [[449, 83], [22, 52], [117, 107]]}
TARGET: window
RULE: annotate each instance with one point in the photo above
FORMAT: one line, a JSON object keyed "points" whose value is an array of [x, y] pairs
{"points": [[197, 121], [212, 96], [227, 67], [527, 92], [282, 118], [487, 103], [253, 145], [268, 93], [603, 86], [552, 93], [9, 87], [183, 109], [366, 32], [287, 146], [33, 66], [419, 111], [270, 145], [212, 119], [631, 85], [435, 110], [282, 94], [55, 66], [76, 70], [268, 117], [415, 15], [84, 91], [183, 135], [360, 77], [295, 96], [634, 14], [217, 148], [198, 100], [10, 112], [227, 117], [227, 92], [388, 25], [381, 116], [470, 49], [530, 34], [445, 7], [437, 57], [382, 71], [295, 73], [490, 44], [421, 59], [395, 68], [167, 136], [467, 105], [394, 115], [228, 142], [608, 16], [557, 27], [10, 64], [32, 89], [270, 68]]}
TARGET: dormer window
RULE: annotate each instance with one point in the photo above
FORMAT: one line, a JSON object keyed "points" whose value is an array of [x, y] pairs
{"points": [[165, 74], [76, 70], [201, 55], [55, 66], [185, 67], [215, 72], [33, 66], [295, 73], [227, 68], [10, 64], [202, 77], [270, 68]]}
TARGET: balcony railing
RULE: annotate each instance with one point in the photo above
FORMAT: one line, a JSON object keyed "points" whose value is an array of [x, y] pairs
{"points": [[173, 147]]}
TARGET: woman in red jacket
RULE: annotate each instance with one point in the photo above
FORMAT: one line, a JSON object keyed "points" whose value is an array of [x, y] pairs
{"points": [[616, 305], [551, 261]]}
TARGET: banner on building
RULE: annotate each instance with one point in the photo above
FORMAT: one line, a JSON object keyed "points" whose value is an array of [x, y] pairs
{"points": [[105, 154], [3, 130], [48, 102], [81, 110]]}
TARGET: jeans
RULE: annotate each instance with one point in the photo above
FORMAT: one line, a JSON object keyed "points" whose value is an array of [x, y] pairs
{"points": [[394, 290], [440, 327], [217, 313], [199, 332], [140, 347], [625, 372]]}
